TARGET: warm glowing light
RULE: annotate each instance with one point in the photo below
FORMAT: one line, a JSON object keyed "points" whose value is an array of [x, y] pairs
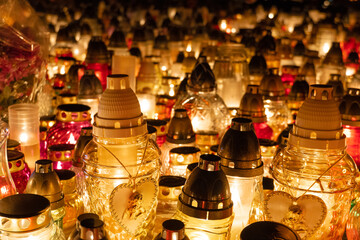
{"points": [[4, 190], [76, 51], [147, 104], [326, 48], [23, 137], [271, 15], [228, 31], [172, 90], [188, 48], [198, 236], [350, 71], [223, 25], [347, 132], [291, 29], [233, 30], [142, 22], [163, 68], [62, 70], [72, 139]]}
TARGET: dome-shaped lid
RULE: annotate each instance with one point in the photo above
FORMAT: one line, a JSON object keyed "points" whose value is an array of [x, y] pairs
{"points": [[119, 113], [64, 35], [161, 42], [97, 51], [117, 40], [252, 105], [202, 77], [350, 108], [45, 182], [240, 150], [334, 56], [180, 130], [35, 209], [338, 88], [139, 35], [299, 49], [89, 86], [206, 193], [271, 86], [353, 57], [318, 123], [299, 89], [257, 65], [267, 43], [309, 68]]}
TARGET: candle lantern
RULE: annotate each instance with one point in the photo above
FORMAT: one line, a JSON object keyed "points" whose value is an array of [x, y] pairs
{"points": [[166, 94], [276, 110], [161, 49], [350, 116], [90, 90], [252, 107], [161, 130], [169, 191], [27, 216], [308, 70], [73, 202], [45, 182], [121, 165], [180, 133], [92, 228], [338, 88], [267, 230], [62, 155], [299, 53], [20, 171], [189, 61], [70, 118], [306, 170], [285, 52], [76, 71], [288, 76], [268, 148], [64, 44], [352, 64], [297, 95], [181, 157], [75, 234], [149, 77], [97, 59], [205, 205], [332, 64], [117, 44], [257, 68], [326, 34], [12, 144], [172, 229], [267, 47], [241, 162], [24, 124], [207, 111]]}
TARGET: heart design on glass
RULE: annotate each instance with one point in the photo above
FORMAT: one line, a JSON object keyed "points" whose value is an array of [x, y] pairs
{"points": [[304, 214], [132, 204]]}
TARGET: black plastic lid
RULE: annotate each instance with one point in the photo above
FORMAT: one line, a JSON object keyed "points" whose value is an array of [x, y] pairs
{"points": [[171, 181], [73, 108], [14, 155]]}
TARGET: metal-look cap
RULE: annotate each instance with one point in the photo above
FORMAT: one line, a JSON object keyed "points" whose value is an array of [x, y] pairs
{"points": [[97, 51], [89, 86], [67, 180], [334, 56], [180, 129], [92, 228], [73, 113], [61, 152], [170, 187], [16, 161], [299, 89], [173, 229], [202, 77], [318, 123], [83, 217], [160, 125], [240, 150], [45, 182], [83, 140], [119, 113], [66, 98], [350, 108], [252, 105], [24, 213], [117, 40], [271, 86], [338, 88], [206, 193]]}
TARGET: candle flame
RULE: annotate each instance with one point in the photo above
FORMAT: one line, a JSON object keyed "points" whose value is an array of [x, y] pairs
{"points": [[350, 71], [62, 70], [271, 15], [72, 139], [223, 25], [326, 48], [23, 138], [188, 48]]}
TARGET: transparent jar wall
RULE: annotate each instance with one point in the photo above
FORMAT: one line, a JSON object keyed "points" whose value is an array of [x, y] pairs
{"points": [[103, 173], [201, 229], [247, 197], [51, 232], [278, 116], [324, 71], [296, 169], [353, 223]]}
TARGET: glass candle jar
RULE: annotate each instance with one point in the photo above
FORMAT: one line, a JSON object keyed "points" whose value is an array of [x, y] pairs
{"points": [[27, 216], [297, 95], [92, 228], [161, 130], [267, 230], [180, 158], [205, 205], [166, 94], [24, 124], [149, 77], [119, 156], [288, 76], [268, 149], [75, 234], [241, 162], [62, 155], [20, 171], [172, 229], [315, 165]]}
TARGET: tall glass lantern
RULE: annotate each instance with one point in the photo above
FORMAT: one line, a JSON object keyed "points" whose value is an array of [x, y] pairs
{"points": [[314, 175], [121, 165], [241, 162]]}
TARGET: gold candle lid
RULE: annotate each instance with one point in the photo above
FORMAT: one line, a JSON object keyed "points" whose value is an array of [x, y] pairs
{"points": [[73, 113], [67, 180], [24, 213], [13, 145], [61, 152], [16, 161], [170, 187], [184, 155], [47, 121]]}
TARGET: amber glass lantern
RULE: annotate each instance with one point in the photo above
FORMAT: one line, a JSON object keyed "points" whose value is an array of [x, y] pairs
{"points": [[257, 68], [297, 95], [332, 64], [337, 84]]}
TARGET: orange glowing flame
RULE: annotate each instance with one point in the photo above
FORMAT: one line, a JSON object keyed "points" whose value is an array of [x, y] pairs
{"points": [[72, 139]]}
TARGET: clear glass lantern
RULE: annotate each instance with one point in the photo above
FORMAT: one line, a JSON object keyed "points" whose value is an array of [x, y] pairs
{"points": [[241, 162], [120, 157], [27, 216], [315, 166]]}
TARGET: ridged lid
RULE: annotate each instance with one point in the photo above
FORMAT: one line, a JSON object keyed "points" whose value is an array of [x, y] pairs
{"points": [[267, 43], [334, 56], [350, 108], [206, 193], [318, 123], [271, 86], [119, 113], [45, 182], [240, 150], [180, 129], [299, 89], [97, 51], [353, 58], [202, 77], [252, 105], [338, 88], [89, 86]]}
